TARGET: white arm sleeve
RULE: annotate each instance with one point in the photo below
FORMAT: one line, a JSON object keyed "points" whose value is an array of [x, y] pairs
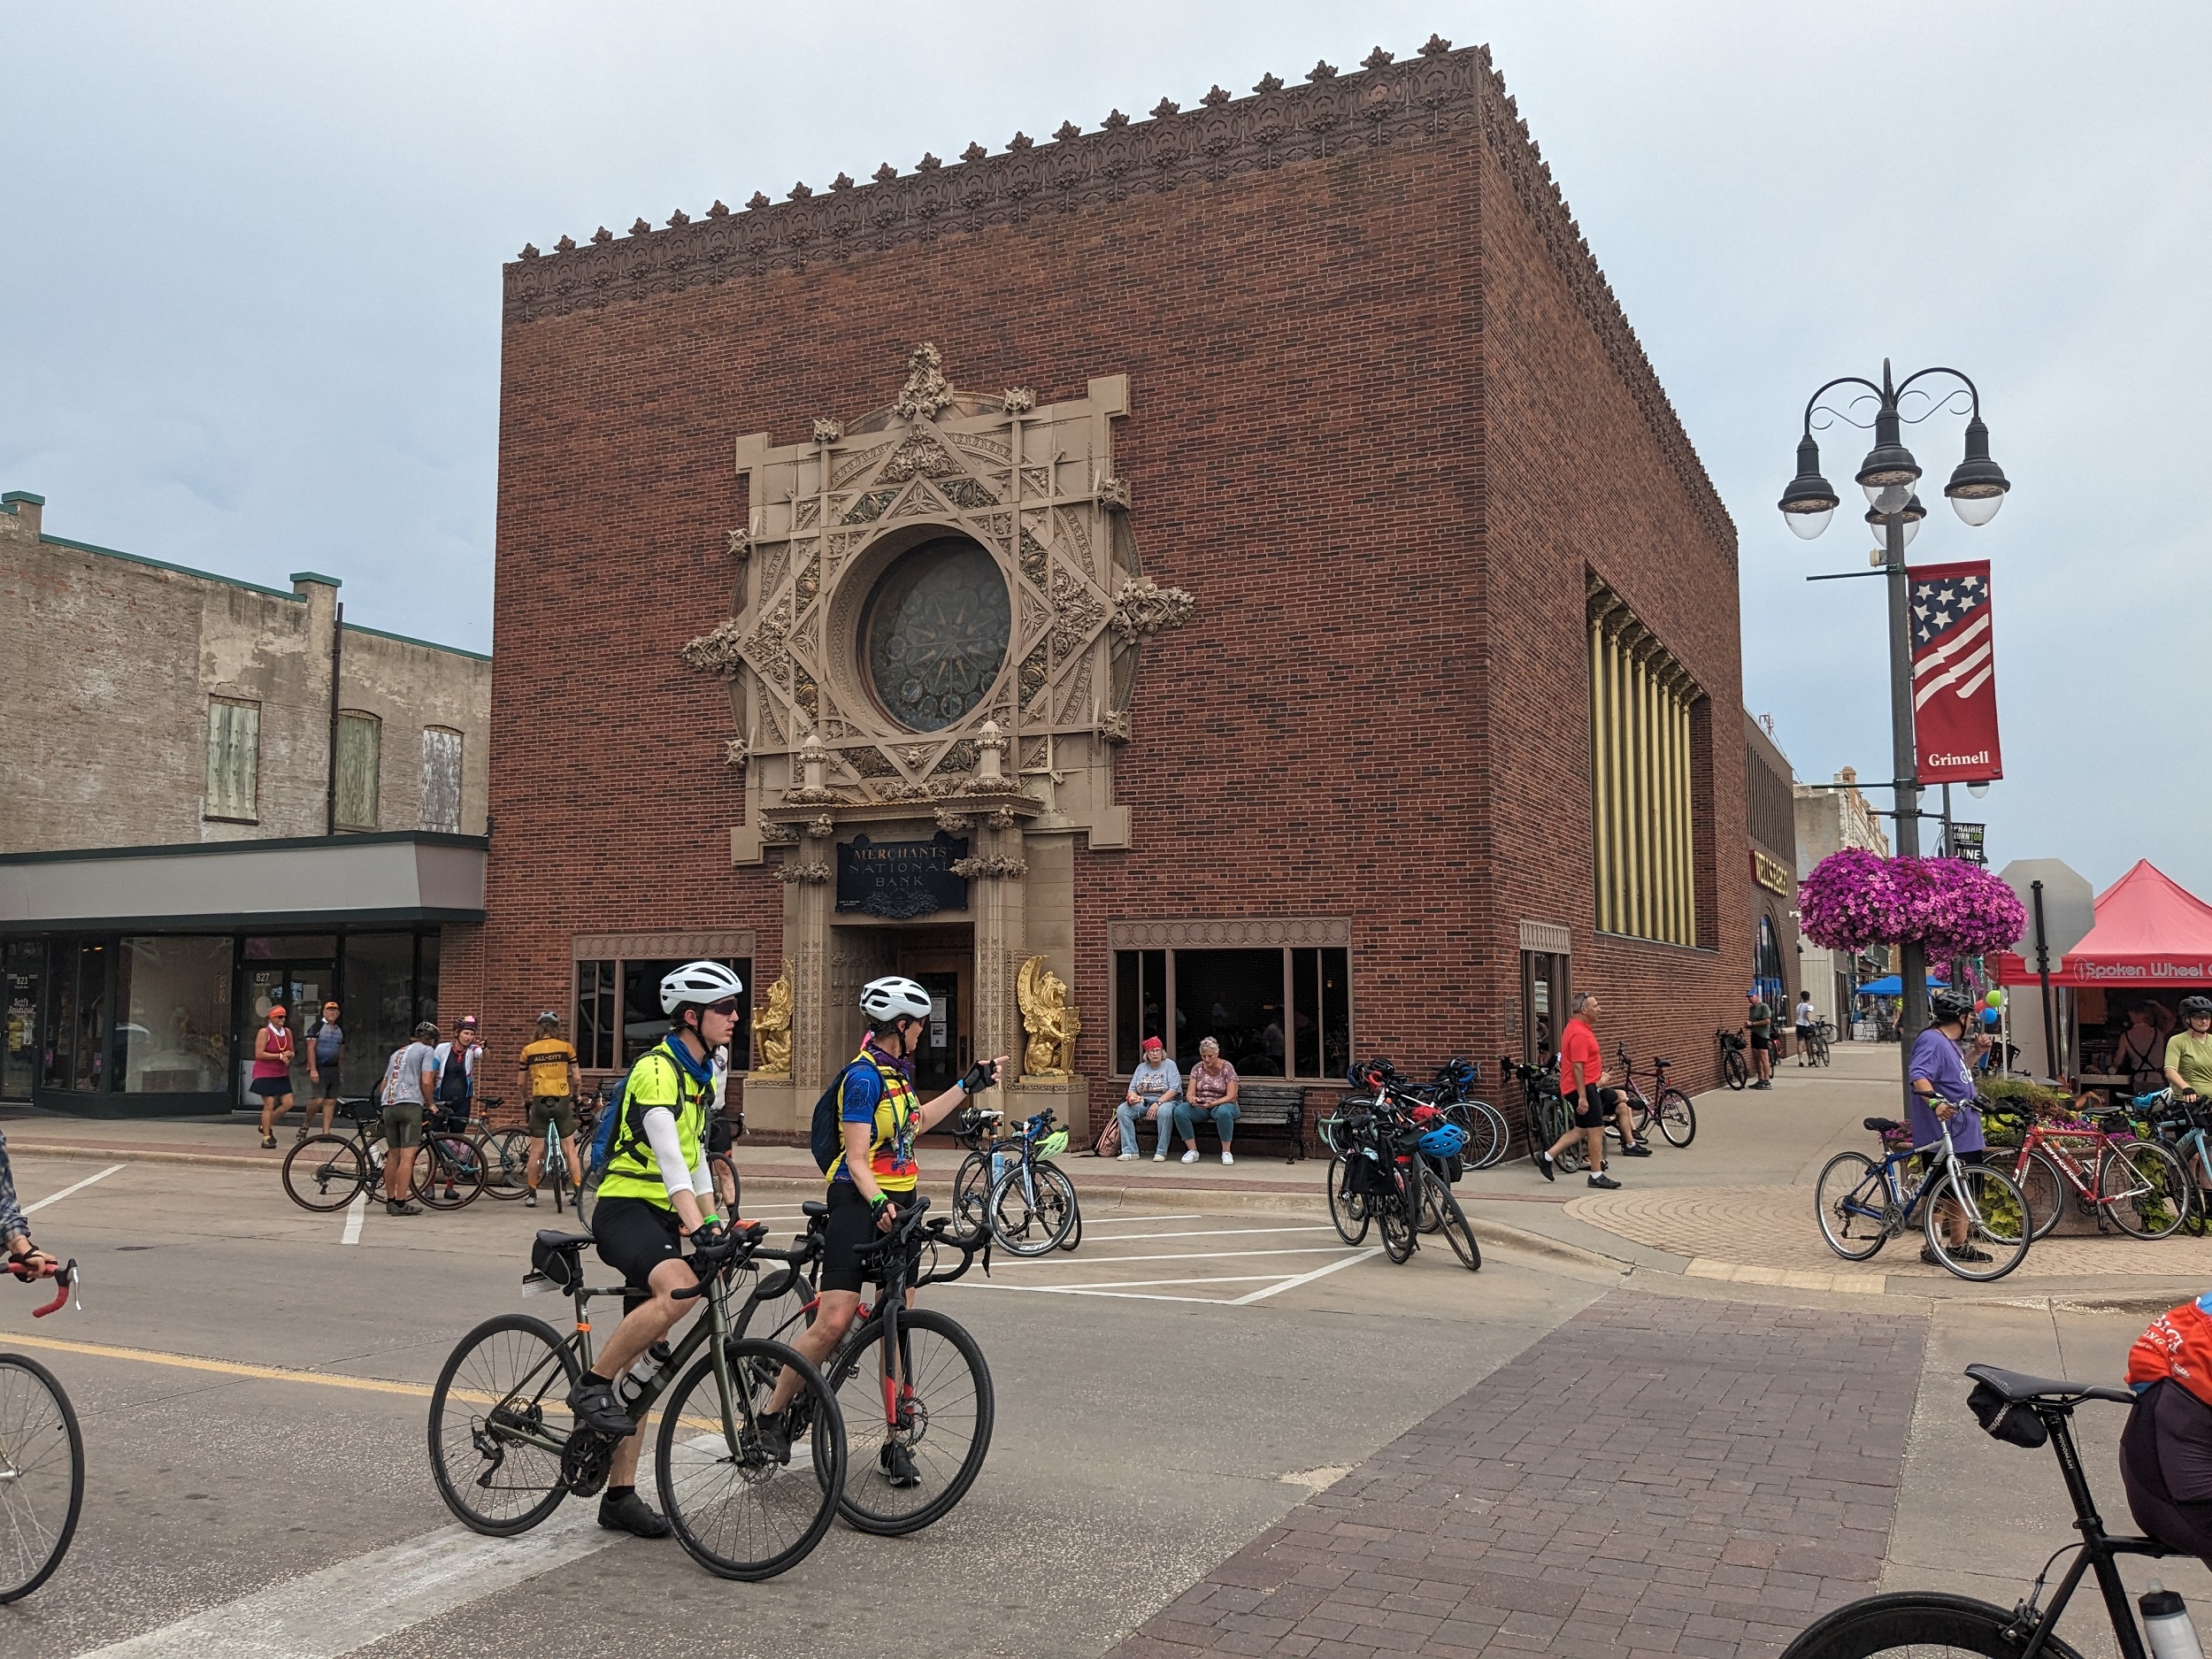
{"points": [[703, 1182], [668, 1153]]}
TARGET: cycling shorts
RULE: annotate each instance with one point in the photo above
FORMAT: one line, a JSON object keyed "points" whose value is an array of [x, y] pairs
{"points": [[402, 1123], [635, 1237], [557, 1108], [851, 1225], [1762, 1039], [1595, 1117]]}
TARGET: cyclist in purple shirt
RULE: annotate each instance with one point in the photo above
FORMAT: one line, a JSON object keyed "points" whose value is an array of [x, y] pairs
{"points": [[1943, 1094]]}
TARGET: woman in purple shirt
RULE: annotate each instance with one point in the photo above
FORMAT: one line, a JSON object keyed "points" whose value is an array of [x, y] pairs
{"points": [[1942, 1093]]}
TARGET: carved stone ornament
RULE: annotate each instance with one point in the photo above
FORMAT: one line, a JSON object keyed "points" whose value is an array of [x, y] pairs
{"points": [[828, 431], [740, 544], [808, 875], [1051, 1023], [1001, 819], [1114, 725], [1114, 492], [772, 1028], [1017, 400], [736, 752], [990, 868], [822, 827], [779, 834], [1143, 607], [952, 823], [718, 653], [925, 394]]}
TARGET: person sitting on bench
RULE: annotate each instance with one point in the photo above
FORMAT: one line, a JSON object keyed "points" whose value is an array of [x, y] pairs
{"points": [[1209, 1091]]}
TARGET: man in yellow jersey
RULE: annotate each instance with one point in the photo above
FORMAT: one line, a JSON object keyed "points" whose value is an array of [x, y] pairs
{"points": [[549, 1067], [655, 1193], [875, 1172]]}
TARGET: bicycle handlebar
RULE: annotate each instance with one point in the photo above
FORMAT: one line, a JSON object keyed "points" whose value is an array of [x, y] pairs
{"points": [[65, 1277]]}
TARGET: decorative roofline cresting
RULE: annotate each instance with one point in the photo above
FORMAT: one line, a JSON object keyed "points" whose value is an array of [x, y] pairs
{"points": [[1033, 488], [1437, 95]]}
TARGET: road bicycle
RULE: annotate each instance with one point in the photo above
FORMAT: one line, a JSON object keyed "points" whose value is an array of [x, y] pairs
{"points": [[2025, 1411], [329, 1171], [1008, 1187], [1735, 1070], [2139, 1187], [745, 1502], [1814, 1050], [2181, 1126], [1861, 1205], [42, 1456], [1549, 1118], [912, 1385], [1384, 1169], [1676, 1117]]}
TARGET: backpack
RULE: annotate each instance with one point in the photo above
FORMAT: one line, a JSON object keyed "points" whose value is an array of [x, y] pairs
{"points": [[614, 1092], [828, 1134], [1109, 1142]]}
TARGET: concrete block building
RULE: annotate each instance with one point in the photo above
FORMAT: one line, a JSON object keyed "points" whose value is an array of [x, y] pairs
{"points": [[1238, 562]]}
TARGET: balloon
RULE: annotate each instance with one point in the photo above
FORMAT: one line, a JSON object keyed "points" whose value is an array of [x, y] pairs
{"points": [[1989, 1017], [1995, 999]]}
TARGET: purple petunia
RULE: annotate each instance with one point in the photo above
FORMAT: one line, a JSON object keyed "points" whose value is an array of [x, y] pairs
{"points": [[1856, 898]]}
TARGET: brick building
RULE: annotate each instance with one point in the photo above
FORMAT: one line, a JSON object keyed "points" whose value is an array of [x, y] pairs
{"points": [[1280, 602], [220, 795], [1771, 819]]}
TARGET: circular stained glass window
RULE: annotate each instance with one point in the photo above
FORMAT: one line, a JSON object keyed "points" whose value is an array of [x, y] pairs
{"points": [[936, 633]]}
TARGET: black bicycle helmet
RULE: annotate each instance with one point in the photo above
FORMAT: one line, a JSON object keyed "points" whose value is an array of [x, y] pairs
{"points": [[2196, 1008], [1945, 1006]]}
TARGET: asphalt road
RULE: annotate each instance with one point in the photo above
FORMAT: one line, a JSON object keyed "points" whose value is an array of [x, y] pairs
{"points": [[254, 1393]]}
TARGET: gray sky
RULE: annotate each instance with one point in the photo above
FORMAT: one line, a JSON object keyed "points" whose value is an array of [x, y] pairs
{"points": [[249, 305]]}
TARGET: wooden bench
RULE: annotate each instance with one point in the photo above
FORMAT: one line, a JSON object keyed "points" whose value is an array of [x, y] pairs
{"points": [[1275, 1107]]}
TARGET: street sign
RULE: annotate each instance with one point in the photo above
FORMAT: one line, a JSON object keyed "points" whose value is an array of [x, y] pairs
{"points": [[1966, 843]]}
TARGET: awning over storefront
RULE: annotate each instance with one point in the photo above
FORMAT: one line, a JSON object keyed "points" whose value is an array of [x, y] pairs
{"points": [[1893, 984], [2150, 931], [318, 881]]}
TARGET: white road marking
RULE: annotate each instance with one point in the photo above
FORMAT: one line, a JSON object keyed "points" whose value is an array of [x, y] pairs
{"points": [[55, 1198], [355, 1211], [1118, 1221], [1183, 1255], [1304, 1278], [1219, 1233], [1134, 1284]]}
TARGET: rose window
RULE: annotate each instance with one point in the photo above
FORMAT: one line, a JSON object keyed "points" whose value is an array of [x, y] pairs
{"points": [[935, 633]]}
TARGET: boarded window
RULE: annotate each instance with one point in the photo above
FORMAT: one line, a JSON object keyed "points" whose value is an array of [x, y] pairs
{"points": [[441, 780], [360, 748], [234, 759]]}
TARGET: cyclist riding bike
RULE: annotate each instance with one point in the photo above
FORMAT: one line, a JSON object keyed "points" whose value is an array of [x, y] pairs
{"points": [[25, 1260], [656, 1194], [550, 1071], [874, 1173], [2189, 1051]]}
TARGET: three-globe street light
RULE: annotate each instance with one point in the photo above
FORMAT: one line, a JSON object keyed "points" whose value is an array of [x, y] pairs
{"points": [[1887, 475]]}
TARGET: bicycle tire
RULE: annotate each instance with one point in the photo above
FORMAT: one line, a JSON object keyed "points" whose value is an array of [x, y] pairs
{"points": [[1024, 1228], [931, 1401], [1916, 1622], [463, 1181], [2155, 1202], [1997, 1221], [2043, 1188], [1849, 1183], [38, 1428], [327, 1176], [1075, 1233], [507, 1163], [1456, 1229], [794, 1498], [1677, 1118], [718, 1165], [972, 1196], [1394, 1215], [1733, 1071], [1345, 1208], [1576, 1159], [513, 1385], [1432, 1213], [1487, 1134]]}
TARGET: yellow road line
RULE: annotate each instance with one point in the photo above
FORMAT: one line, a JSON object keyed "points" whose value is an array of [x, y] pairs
{"points": [[232, 1367]]}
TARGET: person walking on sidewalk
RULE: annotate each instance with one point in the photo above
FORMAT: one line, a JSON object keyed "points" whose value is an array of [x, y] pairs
{"points": [[1761, 1021], [1943, 1094], [1155, 1089], [324, 1053], [1582, 1085], [272, 1074]]}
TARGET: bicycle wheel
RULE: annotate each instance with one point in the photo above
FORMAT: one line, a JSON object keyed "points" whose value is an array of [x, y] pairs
{"points": [[1733, 1069], [1919, 1623], [1454, 1225], [928, 1433], [1427, 1184], [740, 1510], [2144, 1188], [1677, 1118], [499, 1422], [42, 1475], [1075, 1233], [1031, 1209], [1853, 1206], [323, 1172], [1347, 1210], [1394, 1210], [2043, 1189], [1576, 1159], [448, 1171], [1996, 1222], [506, 1162], [972, 1196], [1487, 1133], [728, 1188]]}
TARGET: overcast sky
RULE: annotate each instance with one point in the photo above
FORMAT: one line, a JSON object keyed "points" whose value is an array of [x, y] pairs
{"points": [[249, 301]]}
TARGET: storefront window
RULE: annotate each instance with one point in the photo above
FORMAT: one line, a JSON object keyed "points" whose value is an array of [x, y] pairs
{"points": [[595, 1027], [1139, 998], [643, 1024], [378, 1011], [76, 1046], [1236, 997], [176, 1035], [25, 961], [1275, 1012]]}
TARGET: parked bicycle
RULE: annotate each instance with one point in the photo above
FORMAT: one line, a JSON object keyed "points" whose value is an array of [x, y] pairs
{"points": [[1549, 1118], [1668, 1105], [1008, 1187], [1819, 1036], [42, 1455], [1861, 1205], [911, 1383], [1386, 1167], [2138, 1185], [2184, 1127], [2026, 1411], [329, 1171], [1735, 1070], [505, 1449]]}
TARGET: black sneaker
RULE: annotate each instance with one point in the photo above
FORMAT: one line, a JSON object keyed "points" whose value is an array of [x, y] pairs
{"points": [[1763, 1083], [401, 1207], [1928, 1256], [895, 1463], [630, 1513], [773, 1434], [1639, 1150], [1605, 1181], [593, 1402], [1968, 1253], [1544, 1167]]}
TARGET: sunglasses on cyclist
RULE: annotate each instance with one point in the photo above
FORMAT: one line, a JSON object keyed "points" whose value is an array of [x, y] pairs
{"points": [[727, 1005]]}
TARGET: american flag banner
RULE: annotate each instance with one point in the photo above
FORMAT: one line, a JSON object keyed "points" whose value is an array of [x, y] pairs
{"points": [[1953, 674]]}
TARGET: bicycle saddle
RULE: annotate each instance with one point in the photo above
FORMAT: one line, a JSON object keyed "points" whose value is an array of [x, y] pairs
{"points": [[814, 1209], [1663, 1064], [550, 1239], [2018, 1386], [1883, 1125]]}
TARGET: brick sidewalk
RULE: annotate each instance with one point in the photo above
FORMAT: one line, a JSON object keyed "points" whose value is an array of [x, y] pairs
{"points": [[1747, 1480]]}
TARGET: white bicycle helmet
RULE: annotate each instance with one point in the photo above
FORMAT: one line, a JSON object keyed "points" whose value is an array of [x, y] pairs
{"points": [[891, 996], [696, 983]]}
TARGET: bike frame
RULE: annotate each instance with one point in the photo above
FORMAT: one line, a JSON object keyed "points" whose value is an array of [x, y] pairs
{"points": [[2098, 1551], [1908, 1204]]}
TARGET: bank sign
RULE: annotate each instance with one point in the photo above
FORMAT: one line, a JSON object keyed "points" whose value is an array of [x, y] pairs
{"points": [[898, 879]]}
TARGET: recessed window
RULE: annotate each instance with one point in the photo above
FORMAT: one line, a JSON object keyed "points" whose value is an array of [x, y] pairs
{"points": [[360, 750], [935, 633], [234, 759], [1275, 1012], [441, 780]]}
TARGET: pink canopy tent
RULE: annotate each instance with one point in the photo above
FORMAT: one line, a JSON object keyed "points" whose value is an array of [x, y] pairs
{"points": [[2150, 932]]}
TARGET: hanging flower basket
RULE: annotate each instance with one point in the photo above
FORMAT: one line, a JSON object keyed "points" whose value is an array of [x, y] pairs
{"points": [[1854, 898]]}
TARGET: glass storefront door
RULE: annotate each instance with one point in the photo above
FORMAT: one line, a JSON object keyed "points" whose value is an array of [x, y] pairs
{"points": [[20, 976], [298, 972], [1544, 1003]]}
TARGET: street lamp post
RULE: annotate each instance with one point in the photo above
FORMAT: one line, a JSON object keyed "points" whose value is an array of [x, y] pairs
{"points": [[1887, 475]]}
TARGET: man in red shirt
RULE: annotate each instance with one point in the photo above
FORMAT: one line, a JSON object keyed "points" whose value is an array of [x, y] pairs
{"points": [[1582, 1085]]}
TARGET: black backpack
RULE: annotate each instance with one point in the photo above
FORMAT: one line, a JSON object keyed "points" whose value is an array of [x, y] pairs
{"points": [[828, 1134]]}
